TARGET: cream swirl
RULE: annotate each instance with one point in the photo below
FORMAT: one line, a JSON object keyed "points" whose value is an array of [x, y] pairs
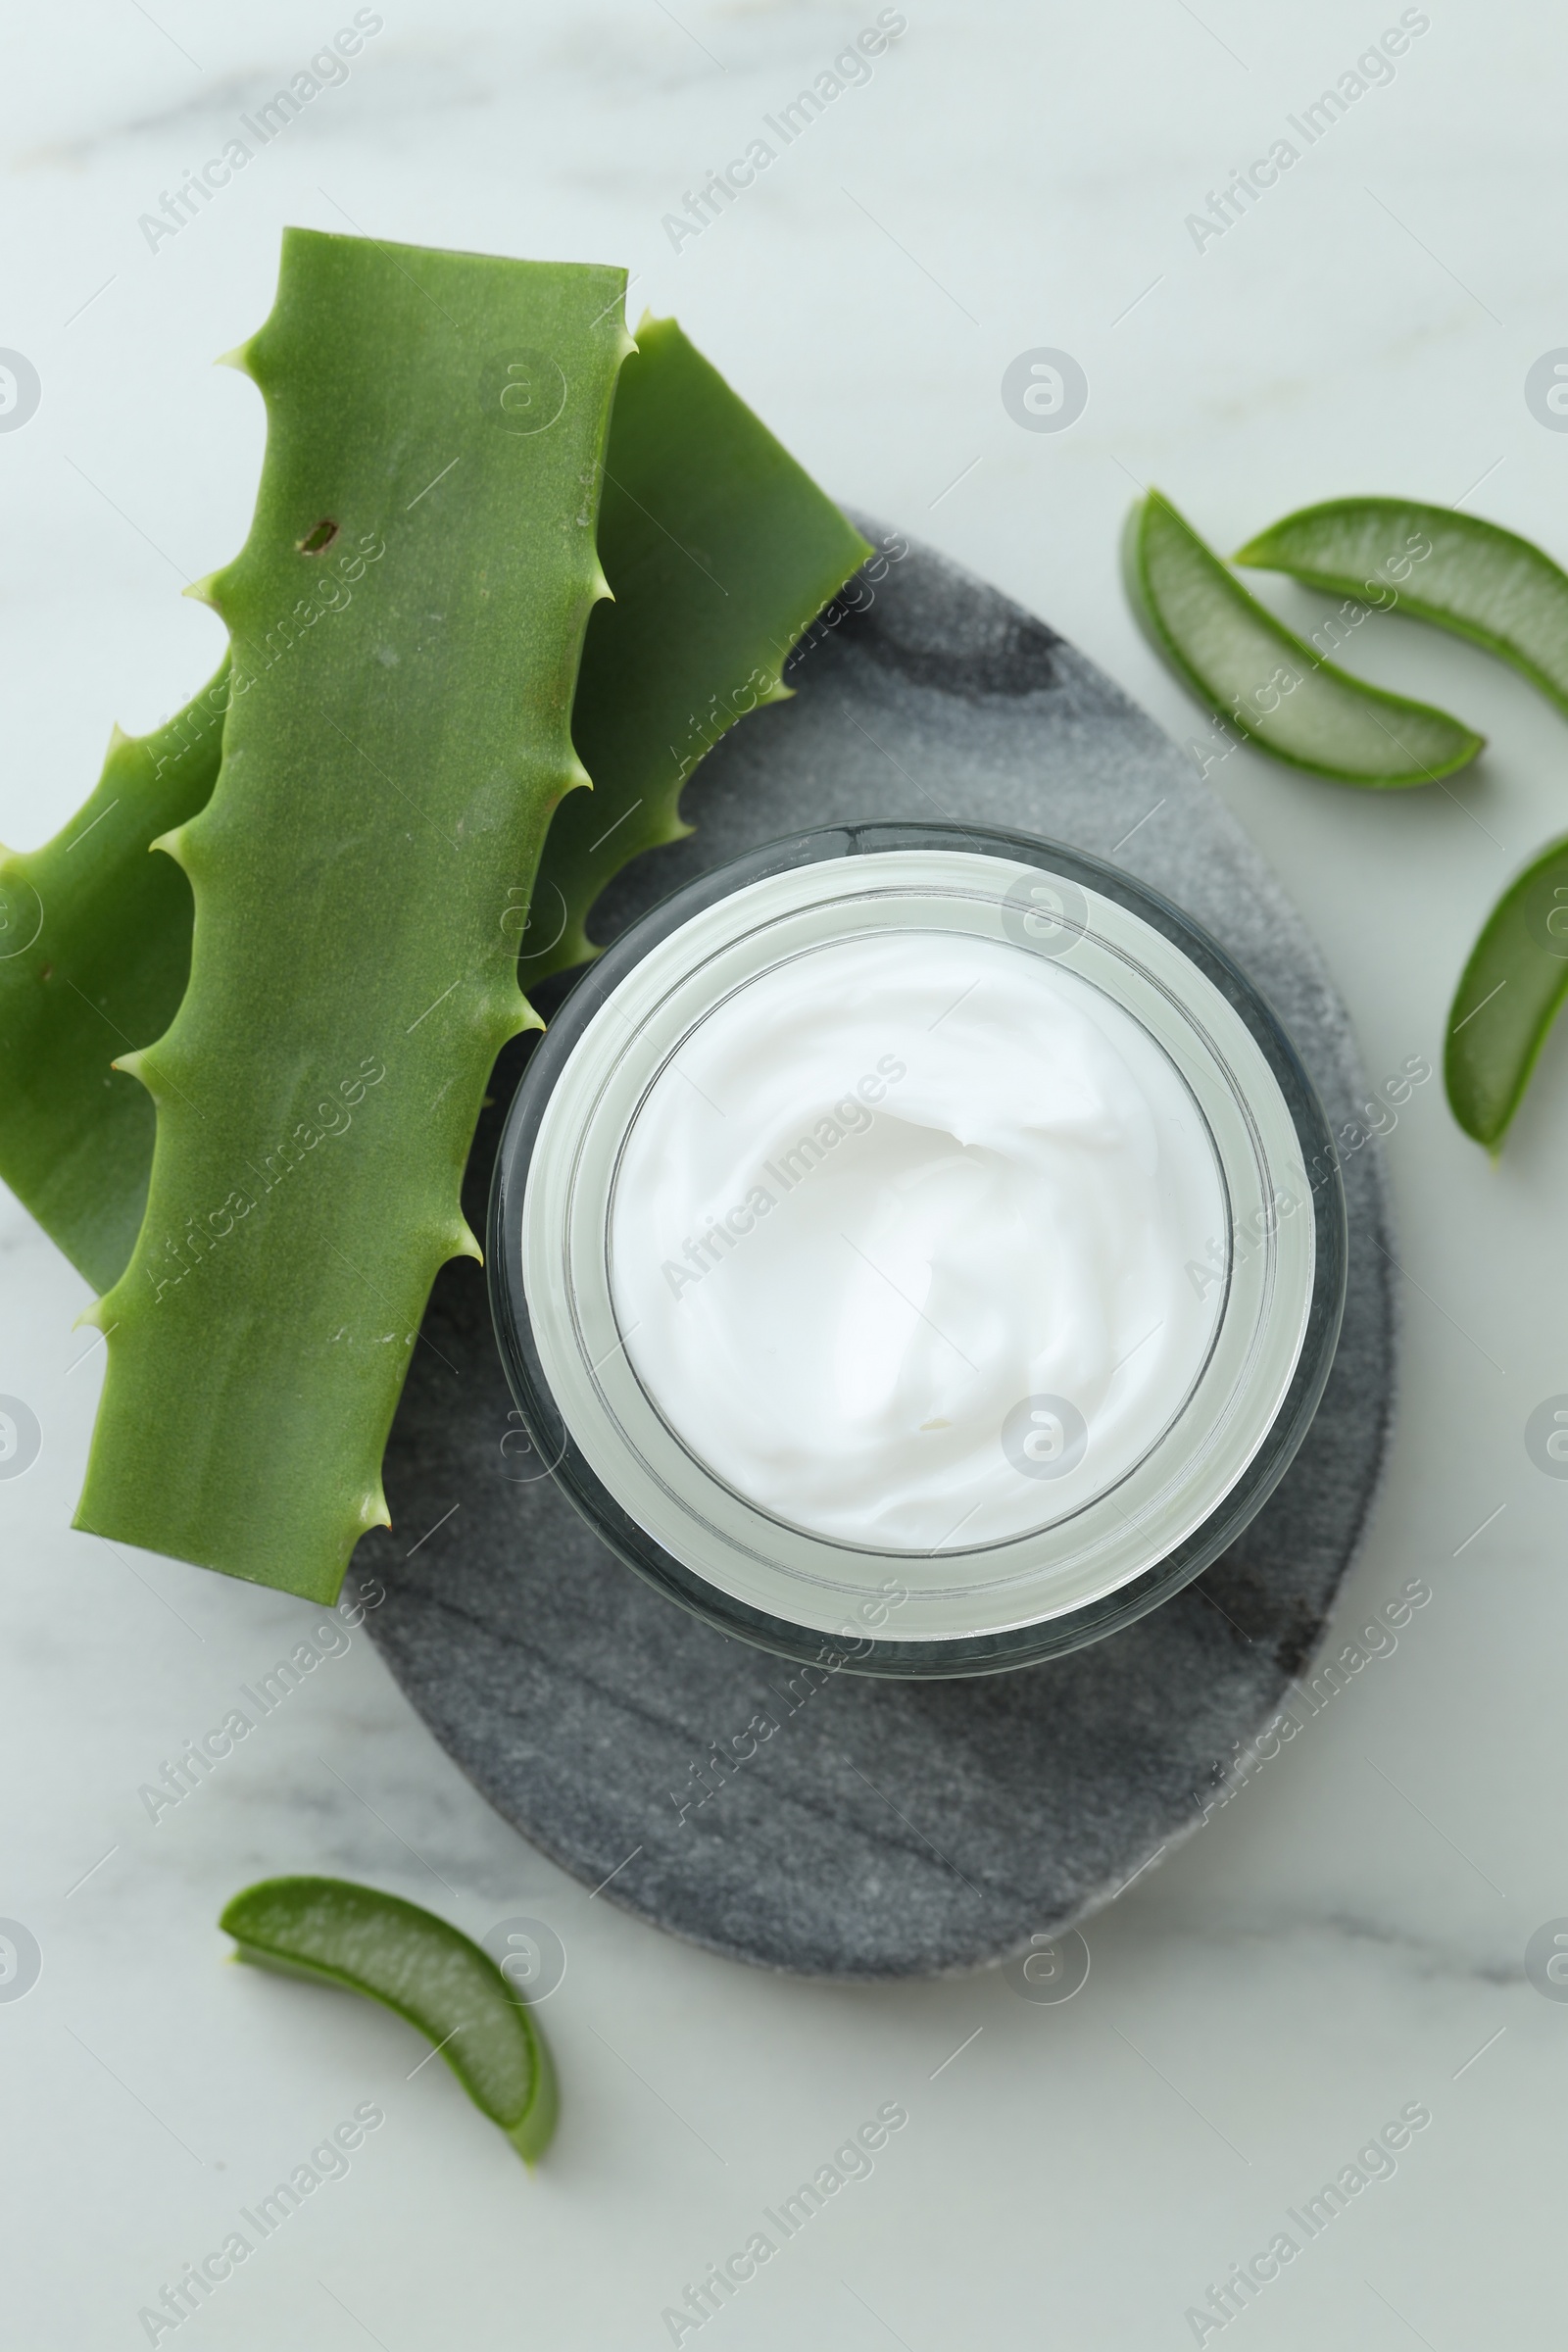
{"points": [[912, 1242]]}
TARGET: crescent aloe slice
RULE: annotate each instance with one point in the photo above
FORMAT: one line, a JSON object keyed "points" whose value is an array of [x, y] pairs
{"points": [[1270, 686], [336, 1932], [710, 591], [1470, 576], [1508, 996], [390, 766]]}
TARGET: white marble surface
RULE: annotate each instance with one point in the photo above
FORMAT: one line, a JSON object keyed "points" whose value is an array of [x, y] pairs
{"points": [[1348, 1934]]}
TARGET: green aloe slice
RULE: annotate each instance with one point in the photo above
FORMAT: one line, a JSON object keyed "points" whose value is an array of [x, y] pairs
{"points": [[386, 782], [1508, 996], [1266, 683], [337, 1932], [1399, 554], [719, 550]]}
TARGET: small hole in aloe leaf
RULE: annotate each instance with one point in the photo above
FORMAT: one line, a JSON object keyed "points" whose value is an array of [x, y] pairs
{"points": [[321, 537]]}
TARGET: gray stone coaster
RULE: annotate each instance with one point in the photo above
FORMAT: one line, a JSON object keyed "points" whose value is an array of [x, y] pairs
{"points": [[823, 1823]]}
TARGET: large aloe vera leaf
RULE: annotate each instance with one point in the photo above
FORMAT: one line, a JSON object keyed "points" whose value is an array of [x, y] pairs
{"points": [[385, 783], [1272, 688], [1465, 574], [719, 551], [94, 953]]}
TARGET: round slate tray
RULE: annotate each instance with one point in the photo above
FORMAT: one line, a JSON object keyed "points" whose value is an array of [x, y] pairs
{"points": [[878, 1828]]}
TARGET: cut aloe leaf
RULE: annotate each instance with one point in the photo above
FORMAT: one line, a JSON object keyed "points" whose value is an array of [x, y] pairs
{"points": [[94, 954], [391, 759], [718, 551], [1269, 686], [337, 1932], [1508, 996], [1464, 574]]}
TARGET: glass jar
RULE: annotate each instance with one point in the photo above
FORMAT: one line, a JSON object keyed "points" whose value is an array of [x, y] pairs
{"points": [[725, 1316]]}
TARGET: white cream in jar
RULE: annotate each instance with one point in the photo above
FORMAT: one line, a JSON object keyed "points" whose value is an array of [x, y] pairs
{"points": [[884, 1199], [908, 1245]]}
